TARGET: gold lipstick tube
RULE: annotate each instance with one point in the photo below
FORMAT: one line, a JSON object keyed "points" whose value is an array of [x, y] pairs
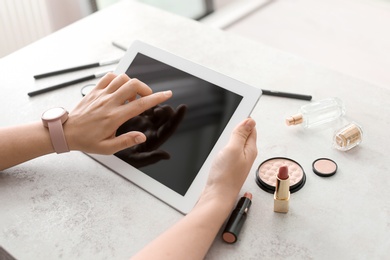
{"points": [[282, 195]]}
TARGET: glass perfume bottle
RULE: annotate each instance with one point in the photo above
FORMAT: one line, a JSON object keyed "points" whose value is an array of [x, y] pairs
{"points": [[348, 137], [317, 113]]}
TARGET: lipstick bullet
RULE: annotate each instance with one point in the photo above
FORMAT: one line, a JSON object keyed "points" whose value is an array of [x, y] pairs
{"points": [[237, 219], [282, 191]]}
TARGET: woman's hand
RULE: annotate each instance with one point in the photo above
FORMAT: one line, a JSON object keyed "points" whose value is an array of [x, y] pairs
{"points": [[231, 166], [92, 124], [194, 234]]}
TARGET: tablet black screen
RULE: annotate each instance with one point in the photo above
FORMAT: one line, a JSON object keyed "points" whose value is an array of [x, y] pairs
{"points": [[185, 128]]}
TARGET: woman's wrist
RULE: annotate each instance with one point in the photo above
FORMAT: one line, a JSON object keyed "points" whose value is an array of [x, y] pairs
{"points": [[223, 201], [42, 135], [33, 137], [70, 136]]}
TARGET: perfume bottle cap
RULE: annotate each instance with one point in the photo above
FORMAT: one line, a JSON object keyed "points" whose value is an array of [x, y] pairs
{"points": [[348, 137], [294, 120]]}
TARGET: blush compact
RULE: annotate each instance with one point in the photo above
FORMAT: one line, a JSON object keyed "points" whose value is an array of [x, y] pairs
{"points": [[268, 170], [324, 167]]}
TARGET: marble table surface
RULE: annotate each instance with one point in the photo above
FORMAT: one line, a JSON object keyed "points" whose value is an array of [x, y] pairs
{"points": [[70, 207]]}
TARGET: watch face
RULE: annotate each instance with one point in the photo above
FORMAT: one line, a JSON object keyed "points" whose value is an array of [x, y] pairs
{"points": [[53, 113]]}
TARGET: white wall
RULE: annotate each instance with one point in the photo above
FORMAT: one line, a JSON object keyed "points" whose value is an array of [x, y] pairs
{"points": [[25, 21], [21, 22]]}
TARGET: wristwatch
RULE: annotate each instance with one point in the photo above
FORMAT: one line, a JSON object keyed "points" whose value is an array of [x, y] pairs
{"points": [[53, 119]]}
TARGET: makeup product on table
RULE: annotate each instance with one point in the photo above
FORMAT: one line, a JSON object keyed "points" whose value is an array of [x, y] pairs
{"points": [[119, 46], [76, 68], [282, 192], [317, 113], [324, 167], [348, 137], [237, 219], [267, 171], [286, 94], [66, 84]]}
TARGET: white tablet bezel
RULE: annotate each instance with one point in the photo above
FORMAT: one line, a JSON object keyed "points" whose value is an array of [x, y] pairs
{"points": [[250, 96]]}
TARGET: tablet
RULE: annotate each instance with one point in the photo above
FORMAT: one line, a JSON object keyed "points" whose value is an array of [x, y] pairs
{"points": [[185, 133]]}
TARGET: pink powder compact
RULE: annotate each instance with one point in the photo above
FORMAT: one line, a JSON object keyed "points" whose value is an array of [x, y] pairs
{"points": [[324, 167], [268, 170]]}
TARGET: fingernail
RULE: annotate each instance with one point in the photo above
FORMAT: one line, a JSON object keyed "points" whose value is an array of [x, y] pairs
{"points": [[249, 124], [168, 93], [139, 139]]}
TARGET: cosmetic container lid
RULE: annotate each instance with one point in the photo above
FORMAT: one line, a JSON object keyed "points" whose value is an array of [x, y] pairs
{"points": [[324, 167], [294, 120], [348, 137]]}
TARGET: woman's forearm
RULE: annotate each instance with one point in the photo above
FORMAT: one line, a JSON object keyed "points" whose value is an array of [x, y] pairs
{"points": [[22, 143], [113, 101], [192, 236]]}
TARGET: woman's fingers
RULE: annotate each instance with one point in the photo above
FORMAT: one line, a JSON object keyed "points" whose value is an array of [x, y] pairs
{"points": [[105, 81], [117, 83], [123, 141], [251, 145], [130, 89], [123, 88], [242, 132], [244, 137], [139, 105]]}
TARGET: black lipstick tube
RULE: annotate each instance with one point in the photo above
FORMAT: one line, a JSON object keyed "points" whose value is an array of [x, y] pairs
{"points": [[237, 219]]}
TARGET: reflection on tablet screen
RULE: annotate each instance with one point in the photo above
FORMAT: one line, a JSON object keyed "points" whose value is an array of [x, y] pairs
{"points": [[181, 132]]}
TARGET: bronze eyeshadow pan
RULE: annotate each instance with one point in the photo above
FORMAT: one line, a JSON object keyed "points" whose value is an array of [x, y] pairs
{"points": [[267, 171]]}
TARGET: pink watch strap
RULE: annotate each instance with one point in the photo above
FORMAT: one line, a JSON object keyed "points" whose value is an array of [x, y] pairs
{"points": [[57, 136]]}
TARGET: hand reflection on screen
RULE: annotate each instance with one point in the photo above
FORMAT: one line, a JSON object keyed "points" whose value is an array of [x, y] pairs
{"points": [[158, 124]]}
